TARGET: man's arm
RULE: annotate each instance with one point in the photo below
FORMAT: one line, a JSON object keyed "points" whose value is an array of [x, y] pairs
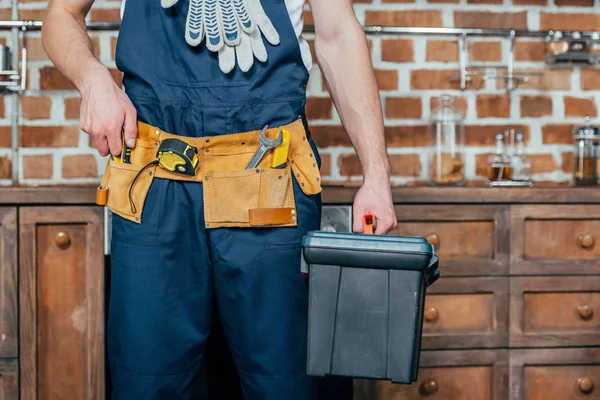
{"points": [[343, 56], [105, 109]]}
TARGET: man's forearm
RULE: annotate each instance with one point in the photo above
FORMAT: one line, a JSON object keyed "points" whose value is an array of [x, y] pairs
{"points": [[68, 45], [346, 65]]}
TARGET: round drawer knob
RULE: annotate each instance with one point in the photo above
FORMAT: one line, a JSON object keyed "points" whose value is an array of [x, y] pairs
{"points": [[586, 241], [433, 239], [431, 314], [585, 311], [62, 240], [585, 385], [428, 388]]}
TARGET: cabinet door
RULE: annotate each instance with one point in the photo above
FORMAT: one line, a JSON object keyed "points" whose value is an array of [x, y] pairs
{"points": [[471, 240], [8, 283], [555, 239], [553, 311], [61, 303], [466, 313], [447, 375], [544, 374]]}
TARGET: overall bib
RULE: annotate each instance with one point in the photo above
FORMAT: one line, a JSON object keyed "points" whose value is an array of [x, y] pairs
{"points": [[166, 270]]}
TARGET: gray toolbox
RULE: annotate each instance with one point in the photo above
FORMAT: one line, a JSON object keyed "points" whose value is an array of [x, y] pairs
{"points": [[366, 300]]}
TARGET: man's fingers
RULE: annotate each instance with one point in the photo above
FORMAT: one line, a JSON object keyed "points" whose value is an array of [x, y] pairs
{"points": [[357, 226], [101, 145], [114, 142], [130, 127]]}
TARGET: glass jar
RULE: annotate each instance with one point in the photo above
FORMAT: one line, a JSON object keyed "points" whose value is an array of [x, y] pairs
{"points": [[587, 139], [446, 144], [556, 44]]}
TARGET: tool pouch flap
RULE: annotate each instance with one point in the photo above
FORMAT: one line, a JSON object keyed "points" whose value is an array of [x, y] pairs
{"points": [[304, 163], [117, 182]]}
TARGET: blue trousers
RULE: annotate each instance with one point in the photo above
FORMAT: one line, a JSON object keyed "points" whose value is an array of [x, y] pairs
{"points": [[165, 273]]}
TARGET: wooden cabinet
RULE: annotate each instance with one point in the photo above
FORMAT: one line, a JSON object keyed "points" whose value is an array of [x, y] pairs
{"points": [[543, 374], [9, 376], [466, 312], [61, 303], [470, 240], [448, 375]]}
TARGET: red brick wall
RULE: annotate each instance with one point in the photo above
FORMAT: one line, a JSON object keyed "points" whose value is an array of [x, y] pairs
{"points": [[412, 71]]}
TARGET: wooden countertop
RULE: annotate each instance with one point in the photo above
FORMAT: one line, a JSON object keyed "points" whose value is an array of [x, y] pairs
{"points": [[343, 195]]}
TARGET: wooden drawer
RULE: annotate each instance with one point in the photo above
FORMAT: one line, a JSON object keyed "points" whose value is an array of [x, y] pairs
{"points": [[555, 311], [561, 374], [466, 313], [9, 379], [447, 375], [470, 239], [555, 239]]}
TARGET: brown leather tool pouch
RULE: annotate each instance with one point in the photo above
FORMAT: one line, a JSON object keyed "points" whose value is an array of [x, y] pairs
{"points": [[116, 183], [233, 196]]}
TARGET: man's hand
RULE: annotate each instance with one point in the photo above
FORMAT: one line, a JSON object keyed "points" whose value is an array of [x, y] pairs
{"points": [[105, 111], [374, 198]]}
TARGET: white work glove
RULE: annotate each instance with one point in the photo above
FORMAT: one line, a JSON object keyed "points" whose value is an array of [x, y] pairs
{"points": [[232, 28]]}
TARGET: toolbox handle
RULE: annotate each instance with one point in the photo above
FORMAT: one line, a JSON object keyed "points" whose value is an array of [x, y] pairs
{"points": [[368, 224]]}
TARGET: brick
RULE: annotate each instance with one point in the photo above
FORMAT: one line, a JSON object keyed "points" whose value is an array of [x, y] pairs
{"points": [[307, 16], [35, 50], [397, 50], [406, 136], [529, 50], [387, 79], [32, 14], [444, 1], [488, 51], [565, 21], [590, 79], [36, 107], [48, 136], [72, 106], [319, 108], [481, 165], [113, 48], [105, 15], [325, 164], [2, 109], [5, 167], [580, 107], [403, 107], [52, 79], [405, 165], [491, 20], [442, 50], [485, 1], [553, 79], [541, 163], [6, 14], [326, 136], [493, 106], [419, 18], [557, 134], [568, 162], [530, 2], [117, 76], [5, 136], [349, 165], [574, 3], [460, 103], [536, 106], [433, 79], [37, 167], [485, 135], [79, 166]]}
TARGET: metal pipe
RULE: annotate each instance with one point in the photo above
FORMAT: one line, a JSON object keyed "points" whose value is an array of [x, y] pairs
{"points": [[370, 29]]}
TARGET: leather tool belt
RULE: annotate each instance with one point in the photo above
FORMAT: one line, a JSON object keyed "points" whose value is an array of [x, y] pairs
{"points": [[233, 196]]}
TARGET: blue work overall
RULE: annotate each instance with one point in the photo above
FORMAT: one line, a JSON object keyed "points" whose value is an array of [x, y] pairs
{"points": [[166, 270]]}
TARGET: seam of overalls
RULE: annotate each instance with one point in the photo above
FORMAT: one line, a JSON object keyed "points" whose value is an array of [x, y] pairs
{"points": [[153, 99]]}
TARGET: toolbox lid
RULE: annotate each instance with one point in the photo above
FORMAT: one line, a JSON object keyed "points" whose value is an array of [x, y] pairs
{"points": [[370, 251]]}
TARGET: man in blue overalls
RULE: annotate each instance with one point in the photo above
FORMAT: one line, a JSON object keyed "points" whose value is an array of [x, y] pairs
{"points": [[200, 68]]}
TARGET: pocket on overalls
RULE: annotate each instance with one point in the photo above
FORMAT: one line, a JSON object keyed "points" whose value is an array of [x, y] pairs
{"points": [[255, 197], [120, 197]]}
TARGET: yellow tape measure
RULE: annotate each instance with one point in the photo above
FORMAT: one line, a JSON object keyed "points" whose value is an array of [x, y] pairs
{"points": [[177, 156]]}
